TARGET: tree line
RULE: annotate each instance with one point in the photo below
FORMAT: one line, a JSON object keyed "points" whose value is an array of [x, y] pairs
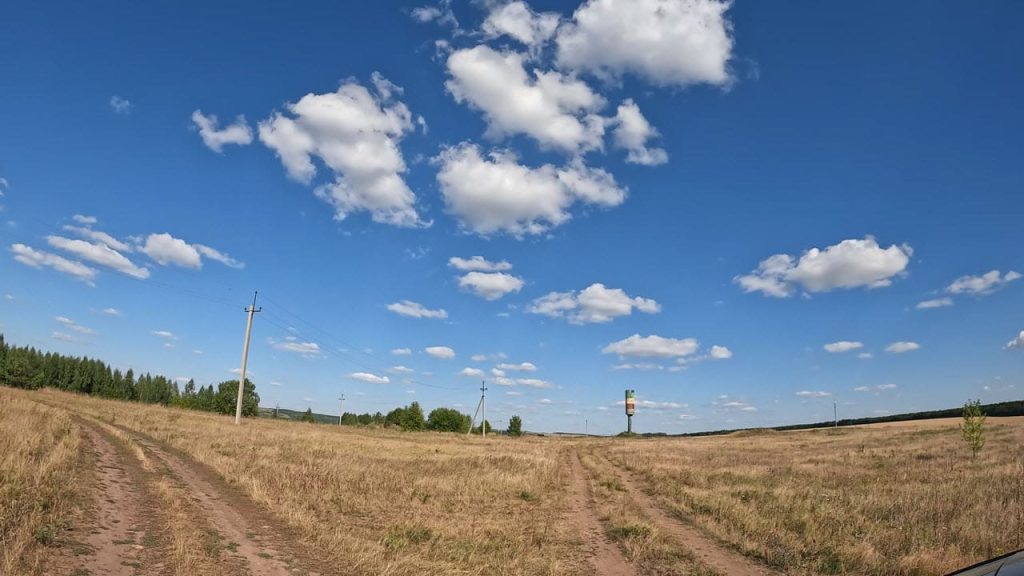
{"points": [[411, 418], [27, 367]]}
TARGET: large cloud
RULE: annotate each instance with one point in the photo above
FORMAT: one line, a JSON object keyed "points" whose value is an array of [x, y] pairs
{"points": [[666, 42], [497, 194], [490, 285], [215, 139], [356, 134], [594, 304], [652, 346], [38, 259], [556, 110], [849, 264]]}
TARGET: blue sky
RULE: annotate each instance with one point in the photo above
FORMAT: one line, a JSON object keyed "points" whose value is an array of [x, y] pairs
{"points": [[745, 212]]}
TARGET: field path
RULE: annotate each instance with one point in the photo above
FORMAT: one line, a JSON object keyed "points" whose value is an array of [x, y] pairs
{"points": [[248, 531], [706, 549], [120, 518], [604, 556]]}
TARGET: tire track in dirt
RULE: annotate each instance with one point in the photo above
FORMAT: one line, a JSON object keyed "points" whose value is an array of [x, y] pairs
{"points": [[249, 533], [702, 547], [604, 557], [118, 516]]}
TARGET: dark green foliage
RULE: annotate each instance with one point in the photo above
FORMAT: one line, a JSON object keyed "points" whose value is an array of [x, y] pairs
{"points": [[487, 425], [408, 418], [227, 398], [307, 416], [349, 419], [515, 426], [448, 420], [29, 368]]}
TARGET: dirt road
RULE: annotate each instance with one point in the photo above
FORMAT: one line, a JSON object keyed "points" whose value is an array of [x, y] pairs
{"points": [[707, 550], [605, 558], [154, 512]]}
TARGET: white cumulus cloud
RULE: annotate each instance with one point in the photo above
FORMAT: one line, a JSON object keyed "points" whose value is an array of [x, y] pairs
{"points": [[901, 347], [1016, 343], [521, 367], [983, 284], [558, 111], [294, 345], [99, 254], [652, 346], [356, 133], [38, 259], [720, 353], [442, 352], [416, 310], [676, 43], [478, 264], [631, 133], [592, 305], [498, 194], [849, 264], [490, 285], [216, 138], [842, 346], [472, 372], [401, 351], [368, 377], [517, 20]]}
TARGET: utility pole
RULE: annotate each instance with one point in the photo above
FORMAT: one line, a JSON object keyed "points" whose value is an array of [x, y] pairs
{"points": [[586, 427], [245, 358], [341, 408], [483, 409], [480, 407], [835, 414]]}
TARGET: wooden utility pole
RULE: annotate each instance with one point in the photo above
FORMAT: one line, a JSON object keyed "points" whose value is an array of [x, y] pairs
{"points": [[483, 410], [245, 358]]}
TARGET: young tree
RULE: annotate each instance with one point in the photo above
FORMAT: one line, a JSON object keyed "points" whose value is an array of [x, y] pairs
{"points": [[227, 398], [307, 416], [412, 417], [973, 427], [448, 420], [487, 425], [515, 426]]}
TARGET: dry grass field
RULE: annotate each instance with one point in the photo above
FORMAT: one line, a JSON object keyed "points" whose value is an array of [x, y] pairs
{"points": [[40, 461], [318, 499], [888, 499]]}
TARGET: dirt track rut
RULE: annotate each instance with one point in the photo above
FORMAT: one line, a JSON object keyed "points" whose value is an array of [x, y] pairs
{"points": [[604, 556], [707, 550]]}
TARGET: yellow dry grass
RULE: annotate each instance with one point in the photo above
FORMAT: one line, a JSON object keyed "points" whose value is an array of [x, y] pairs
{"points": [[642, 542], [381, 502], [39, 464], [904, 500]]}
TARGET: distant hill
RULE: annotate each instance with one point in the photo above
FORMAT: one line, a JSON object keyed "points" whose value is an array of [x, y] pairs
{"points": [[286, 414]]}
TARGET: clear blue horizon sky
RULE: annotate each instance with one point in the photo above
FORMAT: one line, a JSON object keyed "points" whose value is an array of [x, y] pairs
{"points": [[745, 211]]}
